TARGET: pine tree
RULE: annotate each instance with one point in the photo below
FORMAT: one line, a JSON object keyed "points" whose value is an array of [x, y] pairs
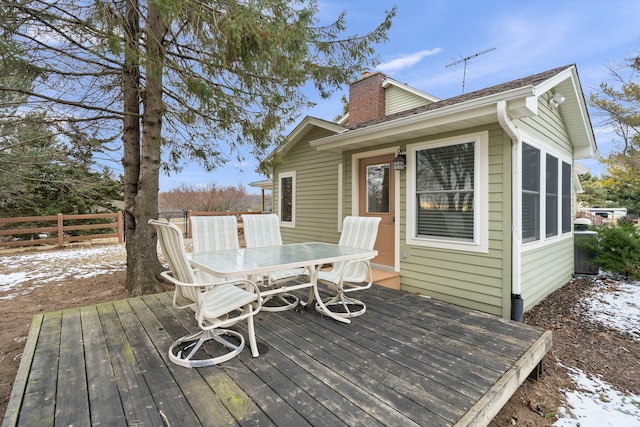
{"points": [[178, 80]]}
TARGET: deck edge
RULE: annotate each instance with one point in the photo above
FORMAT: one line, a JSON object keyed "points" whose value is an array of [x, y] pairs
{"points": [[20, 382], [485, 409]]}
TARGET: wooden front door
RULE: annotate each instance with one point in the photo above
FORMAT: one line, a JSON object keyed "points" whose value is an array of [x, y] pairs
{"points": [[377, 198]]}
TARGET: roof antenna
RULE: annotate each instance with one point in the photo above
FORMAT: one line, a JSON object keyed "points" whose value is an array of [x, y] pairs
{"points": [[465, 60]]}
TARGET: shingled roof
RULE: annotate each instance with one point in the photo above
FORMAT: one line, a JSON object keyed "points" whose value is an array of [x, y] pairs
{"points": [[532, 80]]}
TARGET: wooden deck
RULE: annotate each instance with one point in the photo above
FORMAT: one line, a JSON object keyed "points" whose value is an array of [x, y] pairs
{"points": [[408, 361]]}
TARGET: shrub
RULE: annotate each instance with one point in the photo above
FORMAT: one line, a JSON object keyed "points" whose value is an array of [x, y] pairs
{"points": [[616, 248]]}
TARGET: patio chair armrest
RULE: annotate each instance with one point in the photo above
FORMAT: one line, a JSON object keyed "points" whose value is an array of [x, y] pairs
{"points": [[352, 287], [168, 274], [367, 262], [248, 286]]}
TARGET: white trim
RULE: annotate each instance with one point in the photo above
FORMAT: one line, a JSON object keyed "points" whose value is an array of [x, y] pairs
{"points": [[481, 195], [340, 195], [355, 194], [355, 187], [292, 175], [398, 217]]}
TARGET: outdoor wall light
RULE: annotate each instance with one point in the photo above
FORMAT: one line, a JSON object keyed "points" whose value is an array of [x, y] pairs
{"points": [[557, 100], [399, 161]]}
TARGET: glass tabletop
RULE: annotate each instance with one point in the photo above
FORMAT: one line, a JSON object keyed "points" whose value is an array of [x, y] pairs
{"points": [[247, 261]]}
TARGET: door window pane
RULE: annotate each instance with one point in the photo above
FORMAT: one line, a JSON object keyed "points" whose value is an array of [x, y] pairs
{"points": [[378, 188]]}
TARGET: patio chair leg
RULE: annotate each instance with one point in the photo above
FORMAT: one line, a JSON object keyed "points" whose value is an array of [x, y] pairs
{"points": [[194, 343], [351, 307], [285, 301]]}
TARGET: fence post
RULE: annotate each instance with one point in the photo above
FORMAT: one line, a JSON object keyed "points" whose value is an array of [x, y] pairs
{"points": [[120, 228], [187, 223], [60, 230]]}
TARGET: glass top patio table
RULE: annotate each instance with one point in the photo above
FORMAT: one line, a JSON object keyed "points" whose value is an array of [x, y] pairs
{"points": [[251, 262]]}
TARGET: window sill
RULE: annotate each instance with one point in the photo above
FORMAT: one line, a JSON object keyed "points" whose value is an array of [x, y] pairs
{"points": [[448, 245]]}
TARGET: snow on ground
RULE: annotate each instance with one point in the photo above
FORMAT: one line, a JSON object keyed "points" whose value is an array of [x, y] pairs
{"points": [[616, 305], [55, 266], [593, 402]]}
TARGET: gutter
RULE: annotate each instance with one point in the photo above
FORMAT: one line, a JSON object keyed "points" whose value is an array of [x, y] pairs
{"points": [[517, 303]]}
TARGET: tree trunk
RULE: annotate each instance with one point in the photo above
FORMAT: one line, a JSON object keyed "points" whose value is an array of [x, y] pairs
{"points": [[140, 164]]}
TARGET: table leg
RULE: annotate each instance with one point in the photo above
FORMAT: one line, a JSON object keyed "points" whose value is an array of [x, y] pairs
{"points": [[313, 278], [251, 330], [252, 337], [311, 297]]}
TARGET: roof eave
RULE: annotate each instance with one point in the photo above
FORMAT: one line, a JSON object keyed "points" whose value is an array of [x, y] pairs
{"points": [[521, 101], [580, 131], [300, 130]]}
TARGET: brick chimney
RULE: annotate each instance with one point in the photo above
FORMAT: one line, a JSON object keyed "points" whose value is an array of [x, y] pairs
{"points": [[366, 98]]}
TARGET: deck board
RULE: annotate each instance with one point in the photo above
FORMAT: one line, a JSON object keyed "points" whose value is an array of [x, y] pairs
{"points": [[102, 385], [407, 361], [71, 401]]}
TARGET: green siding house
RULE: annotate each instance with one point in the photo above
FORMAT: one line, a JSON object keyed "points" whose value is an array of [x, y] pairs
{"points": [[476, 192]]}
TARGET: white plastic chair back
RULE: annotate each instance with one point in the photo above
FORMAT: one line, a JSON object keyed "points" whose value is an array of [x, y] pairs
{"points": [[261, 230], [264, 230], [214, 233], [172, 244], [357, 232]]}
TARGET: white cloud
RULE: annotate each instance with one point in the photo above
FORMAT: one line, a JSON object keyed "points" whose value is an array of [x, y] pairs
{"points": [[406, 61]]}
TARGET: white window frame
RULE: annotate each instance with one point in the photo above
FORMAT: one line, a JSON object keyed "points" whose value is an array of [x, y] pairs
{"points": [[281, 176], [558, 195], [480, 241], [546, 149], [570, 198]]}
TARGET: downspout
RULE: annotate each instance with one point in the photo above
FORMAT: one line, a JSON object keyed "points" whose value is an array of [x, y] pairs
{"points": [[517, 304]]}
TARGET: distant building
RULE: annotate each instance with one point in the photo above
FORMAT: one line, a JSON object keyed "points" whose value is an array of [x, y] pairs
{"points": [[608, 215]]}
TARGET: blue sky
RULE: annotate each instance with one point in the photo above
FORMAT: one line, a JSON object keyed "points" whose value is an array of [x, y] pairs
{"points": [[427, 35]]}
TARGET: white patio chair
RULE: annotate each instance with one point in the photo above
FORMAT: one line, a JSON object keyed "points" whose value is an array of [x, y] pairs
{"points": [[350, 276], [214, 233], [264, 230], [217, 306]]}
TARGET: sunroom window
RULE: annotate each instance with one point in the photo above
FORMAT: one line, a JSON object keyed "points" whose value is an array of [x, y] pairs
{"points": [[552, 196], [448, 194], [546, 195], [445, 192]]}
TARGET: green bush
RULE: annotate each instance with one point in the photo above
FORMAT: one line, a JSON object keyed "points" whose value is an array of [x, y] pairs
{"points": [[616, 248]]}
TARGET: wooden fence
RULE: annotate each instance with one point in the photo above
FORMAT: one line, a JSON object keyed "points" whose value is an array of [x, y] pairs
{"points": [[595, 219], [37, 230]]}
